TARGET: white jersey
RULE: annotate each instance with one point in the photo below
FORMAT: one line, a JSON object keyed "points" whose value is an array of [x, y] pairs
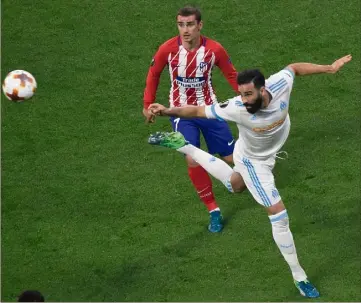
{"points": [[261, 135]]}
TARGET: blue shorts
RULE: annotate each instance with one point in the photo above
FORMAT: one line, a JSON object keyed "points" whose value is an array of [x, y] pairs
{"points": [[217, 134]]}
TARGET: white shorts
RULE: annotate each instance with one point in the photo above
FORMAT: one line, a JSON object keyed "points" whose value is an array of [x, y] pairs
{"points": [[259, 179]]}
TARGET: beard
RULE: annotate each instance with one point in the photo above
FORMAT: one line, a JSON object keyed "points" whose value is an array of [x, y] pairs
{"points": [[253, 108]]}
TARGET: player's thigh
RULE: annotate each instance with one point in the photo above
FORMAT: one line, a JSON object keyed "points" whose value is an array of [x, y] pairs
{"points": [[218, 137], [188, 128], [259, 179]]}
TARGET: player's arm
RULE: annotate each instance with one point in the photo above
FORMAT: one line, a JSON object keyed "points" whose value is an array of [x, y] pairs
{"points": [[302, 68], [182, 112], [155, 70], [226, 111], [225, 65]]}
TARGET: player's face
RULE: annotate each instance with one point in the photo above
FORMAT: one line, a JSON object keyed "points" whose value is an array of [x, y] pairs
{"points": [[189, 28], [252, 97]]}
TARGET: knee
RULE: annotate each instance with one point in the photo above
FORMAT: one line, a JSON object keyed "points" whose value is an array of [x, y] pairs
{"points": [[237, 183], [276, 208], [238, 188]]}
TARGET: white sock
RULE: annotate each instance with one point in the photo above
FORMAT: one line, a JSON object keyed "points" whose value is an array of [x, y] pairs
{"points": [[216, 209], [214, 166], [284, 240]]}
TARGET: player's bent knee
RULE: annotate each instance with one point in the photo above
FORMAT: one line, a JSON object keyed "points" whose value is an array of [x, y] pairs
{"points": [[236, 183], [238, 189], [276, 208]]}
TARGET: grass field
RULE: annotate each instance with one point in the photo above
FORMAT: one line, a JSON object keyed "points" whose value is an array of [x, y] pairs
{"points": [[90, 212]]}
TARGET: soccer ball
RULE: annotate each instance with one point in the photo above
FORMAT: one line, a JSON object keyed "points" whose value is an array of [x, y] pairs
{"points": [[19, 85]]}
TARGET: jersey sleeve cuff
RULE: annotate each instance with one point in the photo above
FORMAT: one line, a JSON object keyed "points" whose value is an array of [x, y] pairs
{"points": [[286, 69], [210, 111]]}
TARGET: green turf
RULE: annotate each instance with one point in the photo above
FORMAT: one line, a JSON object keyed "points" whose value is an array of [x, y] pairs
{"points": [[90, 212]]}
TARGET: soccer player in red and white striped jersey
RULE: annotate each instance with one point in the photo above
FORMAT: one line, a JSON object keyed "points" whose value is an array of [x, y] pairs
{"points": [[190, 58]]}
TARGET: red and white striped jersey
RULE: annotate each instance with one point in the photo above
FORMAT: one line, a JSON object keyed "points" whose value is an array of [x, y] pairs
{"points": [[190, 72]]}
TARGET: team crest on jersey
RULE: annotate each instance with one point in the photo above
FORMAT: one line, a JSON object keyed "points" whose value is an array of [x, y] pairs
{"points": [[203, 66], [283, 105]]}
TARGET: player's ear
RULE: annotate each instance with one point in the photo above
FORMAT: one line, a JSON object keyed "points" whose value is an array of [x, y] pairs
{"points": [[200, 25]]}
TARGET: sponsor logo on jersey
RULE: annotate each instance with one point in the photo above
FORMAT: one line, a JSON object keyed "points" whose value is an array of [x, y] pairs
{"points": [[191, 82]]}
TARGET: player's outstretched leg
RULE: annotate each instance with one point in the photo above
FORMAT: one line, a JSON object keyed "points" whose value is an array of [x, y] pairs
{"points": [[214, 166], [283, 237]]}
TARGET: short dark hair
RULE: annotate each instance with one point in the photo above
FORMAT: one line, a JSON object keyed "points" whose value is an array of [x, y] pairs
{"points": [[249, 76], [31, 296], [190, 10]]}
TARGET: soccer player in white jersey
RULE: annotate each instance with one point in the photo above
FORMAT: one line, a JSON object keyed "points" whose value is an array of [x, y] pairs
{"points": [[261, 114], [190, 58]]}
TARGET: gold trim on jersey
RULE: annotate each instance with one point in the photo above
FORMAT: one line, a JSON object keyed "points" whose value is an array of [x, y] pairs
{"points": [[268, 127]]}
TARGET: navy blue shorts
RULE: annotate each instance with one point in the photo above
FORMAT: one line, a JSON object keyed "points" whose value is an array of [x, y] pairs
{"points": [[217, 134]]}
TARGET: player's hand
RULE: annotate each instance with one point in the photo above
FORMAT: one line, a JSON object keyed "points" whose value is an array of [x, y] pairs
{"points": [[149, 117], [336, 66], [156, 109]]}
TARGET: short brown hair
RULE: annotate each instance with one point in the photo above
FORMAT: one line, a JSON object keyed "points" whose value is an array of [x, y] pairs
{"points": [[254, 76], [190, 10]]}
